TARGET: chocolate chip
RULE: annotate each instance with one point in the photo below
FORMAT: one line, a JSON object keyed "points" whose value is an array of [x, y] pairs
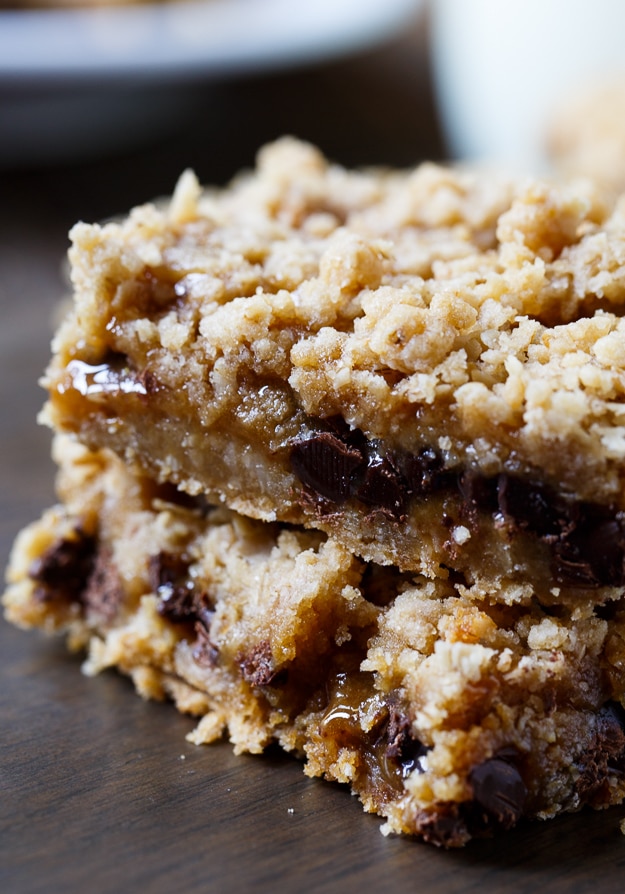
{"points": [[442, 825], [606, 545], [383, 487], [166, 568], [104, 592], [499, 789], [179, 599], [608, 610], [605, 758], [325, 463], [534, 507], [167, 492], [204, 651], [478, 494], [593, 554], [63, 570], [168, 575], [258, 666], [423, 471], [177, 604], [403, 747]]}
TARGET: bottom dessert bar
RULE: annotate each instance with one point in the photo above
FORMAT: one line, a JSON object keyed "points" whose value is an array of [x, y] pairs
{"points": [[450, 717]]}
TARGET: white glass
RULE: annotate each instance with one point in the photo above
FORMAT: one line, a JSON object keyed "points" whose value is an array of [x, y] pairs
{"points": [[504, 67]]}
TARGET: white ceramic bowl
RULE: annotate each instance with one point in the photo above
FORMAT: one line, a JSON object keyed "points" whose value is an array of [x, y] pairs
{"points": [[74, 81], [504, 67]]}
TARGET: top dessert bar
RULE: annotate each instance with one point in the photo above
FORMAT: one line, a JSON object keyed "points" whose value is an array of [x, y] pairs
{"points": [[428, 365]]}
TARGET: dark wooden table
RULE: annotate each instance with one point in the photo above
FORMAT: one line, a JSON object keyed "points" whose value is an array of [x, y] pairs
{"points": [[99, 792]]}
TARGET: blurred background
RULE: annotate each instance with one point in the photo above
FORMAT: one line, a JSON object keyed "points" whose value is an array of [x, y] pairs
{"points": [[102, 108], [102, 104]]}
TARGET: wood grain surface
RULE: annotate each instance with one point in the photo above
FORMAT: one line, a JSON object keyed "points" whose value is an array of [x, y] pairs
{"points": [[99, 792]]}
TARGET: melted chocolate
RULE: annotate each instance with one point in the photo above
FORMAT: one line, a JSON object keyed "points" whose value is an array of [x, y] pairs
{"points": [[499, 790], [62, 572], [593, 554], [340, 464], [181, 602], [326, 464], [533, 507], [403, 747], [382, 486], [587, 540]]}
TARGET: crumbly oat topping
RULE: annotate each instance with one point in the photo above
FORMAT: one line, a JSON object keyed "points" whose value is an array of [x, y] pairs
{"points": [[409, 303]]}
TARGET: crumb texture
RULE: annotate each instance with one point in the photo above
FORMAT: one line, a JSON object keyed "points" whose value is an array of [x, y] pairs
{"points": [[449, 716], [428, 310]]}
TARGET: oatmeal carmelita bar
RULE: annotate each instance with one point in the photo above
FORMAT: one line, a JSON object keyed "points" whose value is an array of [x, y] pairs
{"points": [[449, 718], [429, 366]]}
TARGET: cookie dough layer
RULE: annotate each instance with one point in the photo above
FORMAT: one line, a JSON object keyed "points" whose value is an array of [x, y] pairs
{"points": [[449, 717], [382, 356]]}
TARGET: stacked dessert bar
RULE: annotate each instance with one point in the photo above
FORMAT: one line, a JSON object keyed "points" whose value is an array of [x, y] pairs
{"points": [[341, 466]]}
